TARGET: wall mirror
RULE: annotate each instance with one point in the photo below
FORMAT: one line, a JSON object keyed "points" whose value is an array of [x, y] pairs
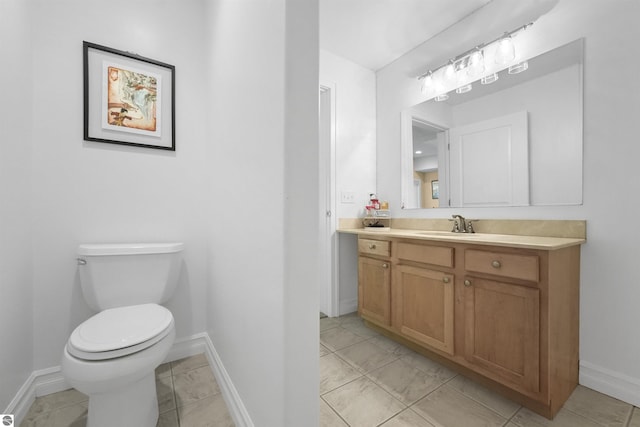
{"points": [[514, 142]]}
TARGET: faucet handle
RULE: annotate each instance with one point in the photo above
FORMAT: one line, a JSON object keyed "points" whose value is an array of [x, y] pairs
{"points": [[460, 224], [470, 226]]}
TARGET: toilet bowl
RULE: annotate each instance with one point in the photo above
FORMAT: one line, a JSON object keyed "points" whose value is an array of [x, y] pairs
{"points": [[112, 357]]}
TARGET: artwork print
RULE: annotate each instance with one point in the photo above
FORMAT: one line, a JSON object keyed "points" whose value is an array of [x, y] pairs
{"points": [[128, 99], [131, 100]]}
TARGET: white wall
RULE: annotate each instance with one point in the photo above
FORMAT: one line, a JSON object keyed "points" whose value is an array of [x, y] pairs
{"points": [[609, 350], [355, 135], [355, 100], [263, 174], [16, 313], [96, 192], [250, 258]]}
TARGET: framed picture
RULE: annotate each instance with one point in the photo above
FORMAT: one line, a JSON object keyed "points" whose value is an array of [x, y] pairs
{"points": [[435, 192], [128, 99]]}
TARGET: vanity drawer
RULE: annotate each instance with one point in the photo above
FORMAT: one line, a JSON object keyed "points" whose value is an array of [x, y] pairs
{"points": [[525, 267], [436, 255], [374, 247]]}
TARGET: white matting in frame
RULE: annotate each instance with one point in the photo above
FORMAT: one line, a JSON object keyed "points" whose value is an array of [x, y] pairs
{"points": [[128, 99]]}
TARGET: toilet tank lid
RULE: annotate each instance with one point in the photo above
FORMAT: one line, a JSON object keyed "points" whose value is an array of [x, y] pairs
{"points": [[103, 249]]}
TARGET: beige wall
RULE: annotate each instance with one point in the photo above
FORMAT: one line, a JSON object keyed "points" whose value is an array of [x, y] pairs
{"points": [[425, 178]]}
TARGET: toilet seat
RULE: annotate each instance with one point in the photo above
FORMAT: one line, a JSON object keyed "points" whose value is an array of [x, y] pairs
{"points": [[120, 331]]}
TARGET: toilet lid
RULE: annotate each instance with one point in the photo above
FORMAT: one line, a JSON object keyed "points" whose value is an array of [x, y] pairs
{"points": [[119, 331]]}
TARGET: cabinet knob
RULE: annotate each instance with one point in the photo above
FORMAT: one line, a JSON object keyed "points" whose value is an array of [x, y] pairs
{"points": [[372, 246], [496, 264], [385, 265], [467, 282], [445, 279]]}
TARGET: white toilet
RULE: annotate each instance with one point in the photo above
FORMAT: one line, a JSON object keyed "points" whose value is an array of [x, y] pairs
{"points": [[112, 356]]}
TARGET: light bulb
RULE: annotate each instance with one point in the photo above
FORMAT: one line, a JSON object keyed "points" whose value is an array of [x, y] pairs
{"points": [[450, 72], [506, 51], [476, 63], [427, 83]]}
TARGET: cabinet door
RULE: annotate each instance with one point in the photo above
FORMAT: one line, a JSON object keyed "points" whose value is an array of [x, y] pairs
{"points": [[374, 290], [502, 331], [423, 306]]}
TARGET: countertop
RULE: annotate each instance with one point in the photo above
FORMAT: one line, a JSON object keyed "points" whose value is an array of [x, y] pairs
{"points": [[508, 240]]}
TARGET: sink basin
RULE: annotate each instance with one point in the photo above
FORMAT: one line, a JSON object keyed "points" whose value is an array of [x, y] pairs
{"points": [[447, 234]]}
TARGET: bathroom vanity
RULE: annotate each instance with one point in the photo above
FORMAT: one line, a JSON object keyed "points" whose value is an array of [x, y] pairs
{"points": [[502, 309]]}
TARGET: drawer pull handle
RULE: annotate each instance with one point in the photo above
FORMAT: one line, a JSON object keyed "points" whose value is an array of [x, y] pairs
{"points": [[372, 246], [445, 279], [385, 265], [496, 264], [467, 282]]}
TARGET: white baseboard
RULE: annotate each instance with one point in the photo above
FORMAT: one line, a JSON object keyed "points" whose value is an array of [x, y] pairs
{"points": [[348, 306], [236, 408], [39, 383], [22, 401], [611, 383], [50, 380]]}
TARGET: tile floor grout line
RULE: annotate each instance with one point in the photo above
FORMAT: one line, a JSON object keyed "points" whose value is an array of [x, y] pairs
{"points": [[431, 392], [485, 405], [629, 417], [596, 421], [478, 402], [514, 415], [335, 412], [341, 385]]}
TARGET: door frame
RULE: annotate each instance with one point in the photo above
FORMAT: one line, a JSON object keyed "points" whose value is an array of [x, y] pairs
{"points": [[329, 302]]}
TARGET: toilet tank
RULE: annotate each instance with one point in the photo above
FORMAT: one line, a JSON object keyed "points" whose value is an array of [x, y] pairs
{"points": [[116, 275]]}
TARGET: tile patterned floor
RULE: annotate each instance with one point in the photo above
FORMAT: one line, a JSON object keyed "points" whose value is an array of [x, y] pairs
{"points": [[368, 380], [188, 396]]}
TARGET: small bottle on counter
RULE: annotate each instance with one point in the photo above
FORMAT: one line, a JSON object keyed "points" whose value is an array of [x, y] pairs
{"points": [[373, 201]]}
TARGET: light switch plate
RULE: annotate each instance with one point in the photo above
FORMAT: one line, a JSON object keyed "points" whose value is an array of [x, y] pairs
{"points": [[347, 197]]}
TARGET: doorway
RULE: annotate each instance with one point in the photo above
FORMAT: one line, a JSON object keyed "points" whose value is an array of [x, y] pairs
{"points": [[329, 292]]}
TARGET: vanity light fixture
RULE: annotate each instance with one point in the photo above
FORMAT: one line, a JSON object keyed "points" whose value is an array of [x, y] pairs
{"points": [[450, 71], [518, 68], [486, 80], [471, 65], [427, 83], [476, 63], [506, 50], [464, 89]]}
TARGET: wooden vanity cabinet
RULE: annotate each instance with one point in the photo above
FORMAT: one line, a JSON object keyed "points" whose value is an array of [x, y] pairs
{"points": [[507, 317], [423, 294], [502, 330], [374, 281]]}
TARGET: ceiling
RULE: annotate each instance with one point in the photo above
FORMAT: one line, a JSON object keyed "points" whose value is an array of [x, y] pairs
{"points": [[373, 33]]}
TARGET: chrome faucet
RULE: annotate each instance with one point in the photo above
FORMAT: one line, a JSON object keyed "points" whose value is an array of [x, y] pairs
{"points": [[459, 224], [462, 225]]}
